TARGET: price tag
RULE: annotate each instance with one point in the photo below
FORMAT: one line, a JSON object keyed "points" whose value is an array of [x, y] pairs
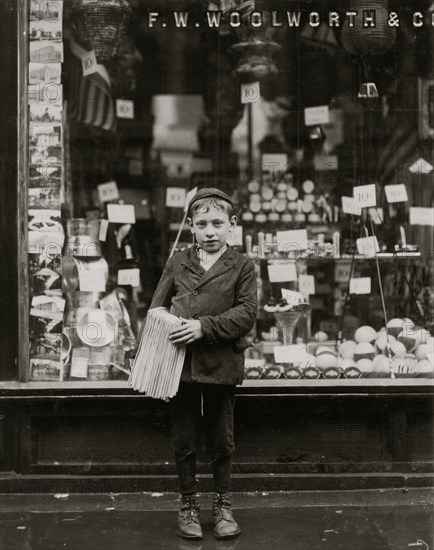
{"points": [[274, 162], [236, 237], [350, 206], [377, 215], [421, 166], [306, 284], [396, 193], [103, 227], [175, 197], [292, 241], [368, 246], [326, 163], [108, 191], [92, 280], [282, 273], [121, 213], [342, 272], [124, 108], [89, 63], [129, 277], [289, 354], [250, 93], [292, 297], [79, 362], [421, 216], [313, 116], [365, 195], [188, 198], [360, 285]]}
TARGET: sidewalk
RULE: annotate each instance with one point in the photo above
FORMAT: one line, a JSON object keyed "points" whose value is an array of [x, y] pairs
{"points": [[353, 520]]}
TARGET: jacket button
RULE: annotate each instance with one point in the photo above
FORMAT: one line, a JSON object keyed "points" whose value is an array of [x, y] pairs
{"points": [[195, 292]]}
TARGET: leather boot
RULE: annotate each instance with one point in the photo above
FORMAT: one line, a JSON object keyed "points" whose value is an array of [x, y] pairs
{"points": [[225, 526], [189, 518]]}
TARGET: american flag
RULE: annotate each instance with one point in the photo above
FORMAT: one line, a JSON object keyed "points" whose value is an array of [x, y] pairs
{"points": [[91, 101]]}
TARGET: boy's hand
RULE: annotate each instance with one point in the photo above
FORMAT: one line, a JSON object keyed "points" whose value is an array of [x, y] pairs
{"points": [[189, 332]]}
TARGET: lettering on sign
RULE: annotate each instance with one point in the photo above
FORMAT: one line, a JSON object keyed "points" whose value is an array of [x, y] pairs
{"points": [[124, 108], [274, 162], [129, 277], [365, 195], [175, 197], [108, 191], [350, 206], [367, 246], [314, 116], [89, 63], [250, 93], [396, 193]]}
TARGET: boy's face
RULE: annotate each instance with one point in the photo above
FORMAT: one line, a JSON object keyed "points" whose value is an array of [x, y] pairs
{"points": [[212, 229]]}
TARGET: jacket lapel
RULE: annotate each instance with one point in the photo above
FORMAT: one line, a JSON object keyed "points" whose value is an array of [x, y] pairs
{"points": [[223, 264], [192, 263]]}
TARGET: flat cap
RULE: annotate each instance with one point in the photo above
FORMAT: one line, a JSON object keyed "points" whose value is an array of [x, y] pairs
{"points": [[207, 192]]}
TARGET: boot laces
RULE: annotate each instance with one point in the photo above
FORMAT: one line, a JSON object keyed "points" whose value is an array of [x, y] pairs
{"points": [[191, 509]]}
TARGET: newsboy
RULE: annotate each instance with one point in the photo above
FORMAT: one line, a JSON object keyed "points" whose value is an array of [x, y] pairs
{"points": [[212, 288]]}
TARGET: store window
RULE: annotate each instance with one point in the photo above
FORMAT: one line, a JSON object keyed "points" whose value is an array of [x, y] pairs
{"points": [[320, 132]]}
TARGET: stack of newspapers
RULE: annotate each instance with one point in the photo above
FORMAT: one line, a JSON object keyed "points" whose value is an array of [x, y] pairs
{"points": [[158, 364]]}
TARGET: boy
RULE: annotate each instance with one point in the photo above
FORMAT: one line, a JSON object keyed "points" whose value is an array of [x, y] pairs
{"points": [[212, 288]]}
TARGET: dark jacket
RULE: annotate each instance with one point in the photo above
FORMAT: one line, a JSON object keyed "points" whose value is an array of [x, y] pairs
{"points": [[224, 299]]}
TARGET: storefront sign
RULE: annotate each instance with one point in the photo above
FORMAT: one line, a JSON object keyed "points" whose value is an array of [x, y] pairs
{"points": [[89, 63], [129, 277], [125, 108], [121, 213], [360, 285], [108, 191], [365, 195], [282, 273], [396, 193], [289, 354], [421, 216], [314, 116], [175, 197], [292, 241], [350, 206], [367, 246], [306, 284]]}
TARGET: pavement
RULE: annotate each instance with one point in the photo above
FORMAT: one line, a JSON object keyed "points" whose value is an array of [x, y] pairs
{"points": [[309, 520]]}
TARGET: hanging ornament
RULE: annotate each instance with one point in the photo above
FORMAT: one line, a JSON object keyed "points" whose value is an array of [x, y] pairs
{"points": [[100, 25], [368, 41]]}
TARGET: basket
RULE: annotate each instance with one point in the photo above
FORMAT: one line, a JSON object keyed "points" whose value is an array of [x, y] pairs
{"points": [[101, 24]]}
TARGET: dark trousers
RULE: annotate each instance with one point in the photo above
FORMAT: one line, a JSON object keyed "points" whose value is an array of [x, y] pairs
{"points": [[211, 407]]}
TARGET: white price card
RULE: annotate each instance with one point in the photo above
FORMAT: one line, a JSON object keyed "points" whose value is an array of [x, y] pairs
{"points": [[292, 241], [188, 197], [79, 362], [367, 246], [93, 280], [289, 354], [313, 116], [175, 197], [365, 195], [89, 63], [129, 277], [292, 297], [125, 108], [108, 191], [360, 285], [306, 284], [421, 216], [121, 213], [350, 206], [377, 215], [103, 227], [236, 237], [342, 272], [396, 193], [282, 273], [274, 162], [250, 93]]}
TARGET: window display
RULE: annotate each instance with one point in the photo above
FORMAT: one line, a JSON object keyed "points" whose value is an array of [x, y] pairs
{"points": [[319, 133]]}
